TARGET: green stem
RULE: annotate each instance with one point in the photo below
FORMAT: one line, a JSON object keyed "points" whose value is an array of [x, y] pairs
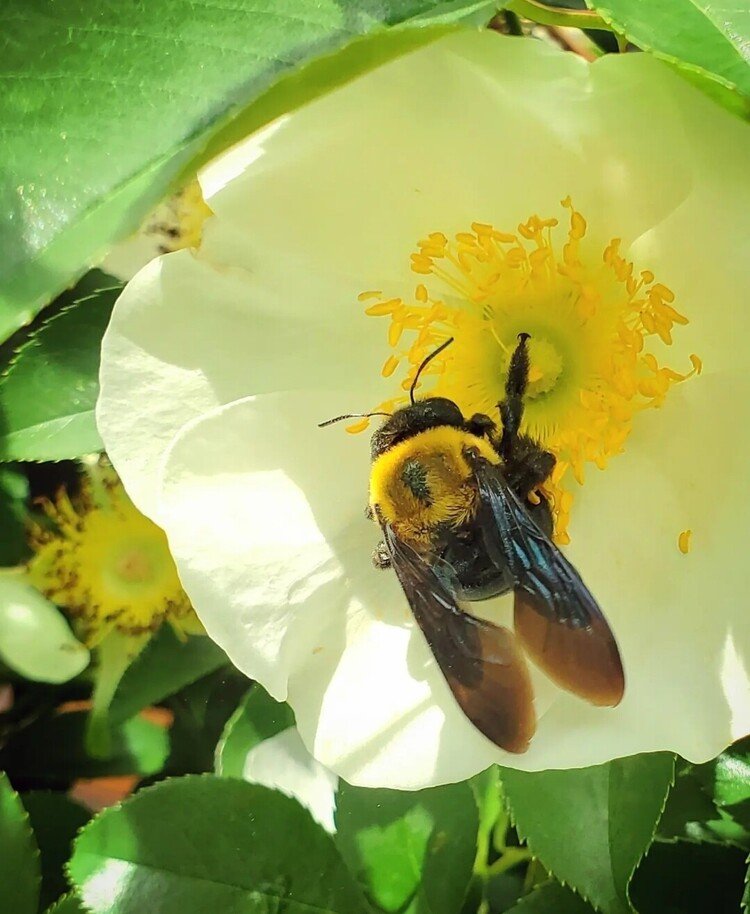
{"points": [[511, 857], [116, 653], [554, 15]]}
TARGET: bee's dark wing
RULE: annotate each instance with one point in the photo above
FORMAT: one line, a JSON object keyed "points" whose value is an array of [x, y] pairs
{"points": [[482, 663], [556, 617]]}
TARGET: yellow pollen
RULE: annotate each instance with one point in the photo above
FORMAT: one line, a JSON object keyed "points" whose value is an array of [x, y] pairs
{"points": [[106, 564], [178, 222], [597, 326], [683, 541]]}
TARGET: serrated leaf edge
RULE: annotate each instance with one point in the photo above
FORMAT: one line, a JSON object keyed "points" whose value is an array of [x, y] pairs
{"points": [[33, 339], [26, 819], [509, 810]]}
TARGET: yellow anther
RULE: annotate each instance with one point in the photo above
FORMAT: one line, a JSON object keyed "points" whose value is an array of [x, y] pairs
{"points": [[383, 307], [683, 541], [389, 366], [590, 326], [366, 296]]}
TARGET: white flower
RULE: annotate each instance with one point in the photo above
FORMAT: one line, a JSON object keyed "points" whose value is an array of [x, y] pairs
{"points": [[219, 363]]}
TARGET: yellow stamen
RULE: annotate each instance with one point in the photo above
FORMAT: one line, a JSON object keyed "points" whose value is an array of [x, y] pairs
{"points": [[106, 564], [595, 323], [683, 541]]}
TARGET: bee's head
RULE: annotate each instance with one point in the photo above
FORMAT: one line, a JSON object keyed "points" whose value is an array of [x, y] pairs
{"points": [[410, 420]]}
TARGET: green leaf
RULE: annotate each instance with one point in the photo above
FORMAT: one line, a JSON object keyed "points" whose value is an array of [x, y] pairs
{"points": [[51, 751], [258, 717], [69, 904], [591, 826], [412, 851], [139, 91], [55, 819], [165, 666], [691, 813], [206, 844], [48, 394], [729, 775], [688, 878], [19, 856], [14, 490], [201, 711], [708, 41], [552, 898]]}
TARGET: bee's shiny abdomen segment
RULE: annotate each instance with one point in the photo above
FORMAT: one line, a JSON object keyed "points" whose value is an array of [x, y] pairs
{"points": [[425, 483]]}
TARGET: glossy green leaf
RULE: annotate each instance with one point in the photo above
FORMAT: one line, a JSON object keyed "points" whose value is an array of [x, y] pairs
{"points": [[165, 666], [201, 711], [19, 856], [127, 95], [69, 904], [48, 394], [730, 775], [691, 813], [412, 851], [51, 751], [257, 718], [688, 878], [591, 826], [207, 844], [14, 490], [552, 898], [55, 819], [706, 39]]}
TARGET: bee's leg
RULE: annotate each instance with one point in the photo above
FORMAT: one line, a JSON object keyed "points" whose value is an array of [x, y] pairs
{"points": [[511, 406], [528, 467], [381, 558]]}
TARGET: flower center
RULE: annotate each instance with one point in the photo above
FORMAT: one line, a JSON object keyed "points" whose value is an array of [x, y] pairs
{"points": [[107, 564], [134, 567], [593, 321]]}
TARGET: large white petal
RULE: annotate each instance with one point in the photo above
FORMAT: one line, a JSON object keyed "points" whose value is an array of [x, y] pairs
{"points": [[282, 762], [329, 201]]}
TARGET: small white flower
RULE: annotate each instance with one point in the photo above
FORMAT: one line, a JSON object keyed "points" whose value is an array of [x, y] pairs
{"points": [[219, 363]]}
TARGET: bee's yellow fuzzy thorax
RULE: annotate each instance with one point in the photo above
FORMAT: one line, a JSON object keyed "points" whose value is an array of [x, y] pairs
{"points": [[425, 481]]}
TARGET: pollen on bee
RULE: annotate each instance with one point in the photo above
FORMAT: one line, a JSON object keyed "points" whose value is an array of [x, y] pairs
{"points": [[683, 541]]}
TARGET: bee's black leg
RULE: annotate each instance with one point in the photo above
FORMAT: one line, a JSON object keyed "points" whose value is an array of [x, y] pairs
{"points": [[511, 406], [529, 466], [525, 462]]}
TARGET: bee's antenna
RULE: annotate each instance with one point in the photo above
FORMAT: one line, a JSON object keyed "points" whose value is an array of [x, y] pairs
{"points": [[424, 364], [351, 416]]}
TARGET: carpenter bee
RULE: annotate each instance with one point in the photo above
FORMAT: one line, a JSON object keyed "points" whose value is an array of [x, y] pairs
{"points": [[462, 519]]}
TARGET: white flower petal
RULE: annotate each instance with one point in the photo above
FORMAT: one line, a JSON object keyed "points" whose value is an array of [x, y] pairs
{"points": [[35, 639], [283, 763], [473, 127], [265, 521], [187, 336]]}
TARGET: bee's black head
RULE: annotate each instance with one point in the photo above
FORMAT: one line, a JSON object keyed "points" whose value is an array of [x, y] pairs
{"points": [[408, 421]]}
